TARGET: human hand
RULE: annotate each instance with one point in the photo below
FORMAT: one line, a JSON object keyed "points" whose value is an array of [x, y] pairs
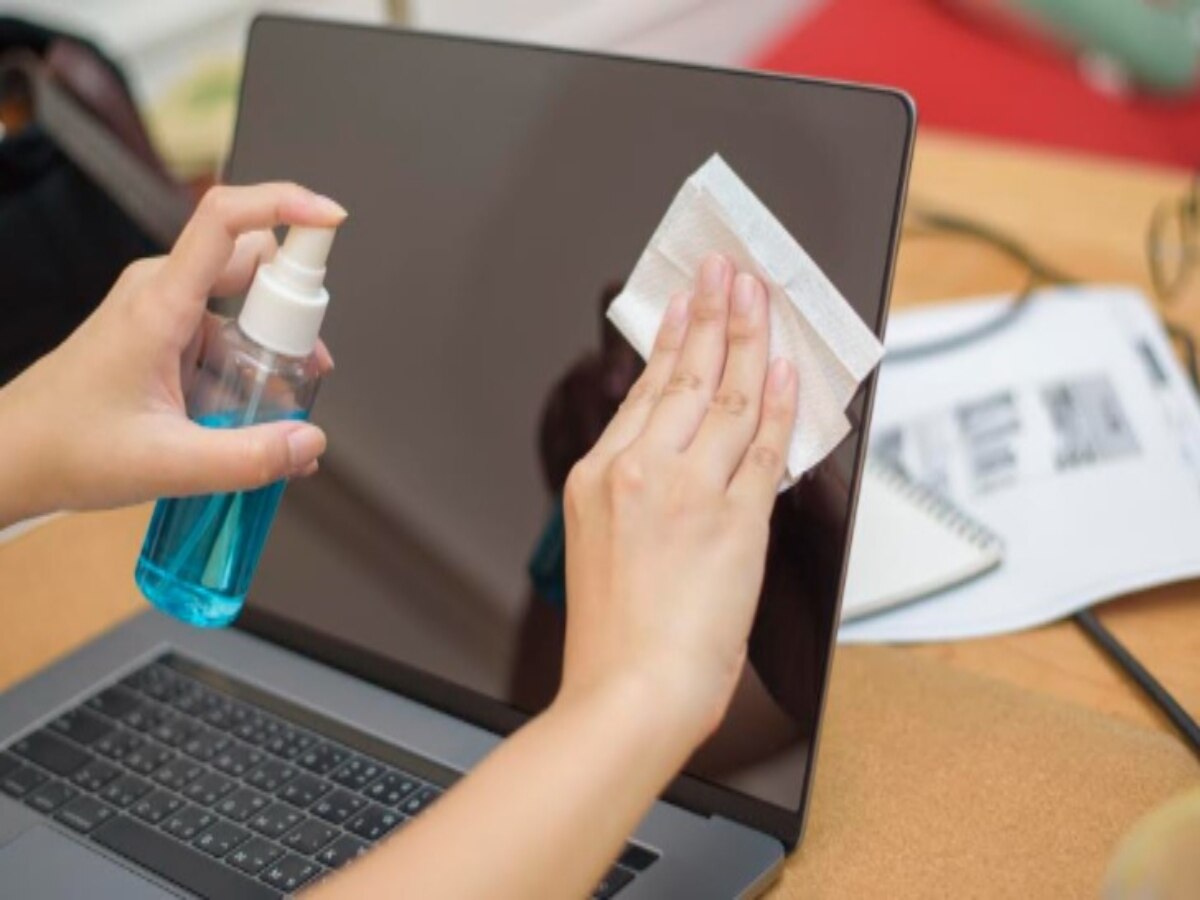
{"points": [[667, 518], [100, 421]]}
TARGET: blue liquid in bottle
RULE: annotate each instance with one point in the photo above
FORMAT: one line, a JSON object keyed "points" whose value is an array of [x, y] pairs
{"points": [[200, 553]]}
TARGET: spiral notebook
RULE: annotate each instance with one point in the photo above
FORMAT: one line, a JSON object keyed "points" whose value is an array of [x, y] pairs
{"points": [[909, 543]]}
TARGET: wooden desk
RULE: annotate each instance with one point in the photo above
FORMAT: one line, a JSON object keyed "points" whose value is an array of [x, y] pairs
{"points": [[1088, 218], [70, 579]]}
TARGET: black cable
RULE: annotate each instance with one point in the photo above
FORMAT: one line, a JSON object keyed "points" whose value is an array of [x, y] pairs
{"points": [[1040, 274], [1184, 723]]}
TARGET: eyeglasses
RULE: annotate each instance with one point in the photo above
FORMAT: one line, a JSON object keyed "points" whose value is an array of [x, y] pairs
{"points": [[1173, 244]]}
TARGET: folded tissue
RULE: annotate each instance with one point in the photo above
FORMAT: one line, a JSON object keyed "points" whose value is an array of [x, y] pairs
{"points": [[811, 322]]}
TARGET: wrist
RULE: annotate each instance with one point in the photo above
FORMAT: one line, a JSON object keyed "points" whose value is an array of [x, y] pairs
{"points": [[649, 705], [25, 453]]}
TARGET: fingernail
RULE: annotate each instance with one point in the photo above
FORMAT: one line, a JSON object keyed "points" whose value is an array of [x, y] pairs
{"points": [[714, 273], [677, 310], [305, 444], [329, 207], [745, 295], [779, 379]]}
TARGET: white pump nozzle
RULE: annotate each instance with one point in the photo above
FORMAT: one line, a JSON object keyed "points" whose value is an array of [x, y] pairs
{"points": [[286, 302]]}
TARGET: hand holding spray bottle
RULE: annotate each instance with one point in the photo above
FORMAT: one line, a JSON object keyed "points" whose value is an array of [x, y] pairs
{"points": [[200, 553]]}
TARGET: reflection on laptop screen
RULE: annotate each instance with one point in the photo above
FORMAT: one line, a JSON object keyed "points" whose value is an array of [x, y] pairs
{"points": [[498, 196]]}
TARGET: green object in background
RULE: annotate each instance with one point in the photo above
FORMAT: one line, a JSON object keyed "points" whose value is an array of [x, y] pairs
{"points": [[1157, 44], [1160, 858]]}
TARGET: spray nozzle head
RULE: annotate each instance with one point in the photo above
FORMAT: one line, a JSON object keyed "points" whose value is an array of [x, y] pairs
{"points": [[302, 257], [286, 302]]}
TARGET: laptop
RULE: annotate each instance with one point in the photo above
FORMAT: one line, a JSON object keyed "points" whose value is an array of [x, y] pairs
{"points": [[409, 608]]}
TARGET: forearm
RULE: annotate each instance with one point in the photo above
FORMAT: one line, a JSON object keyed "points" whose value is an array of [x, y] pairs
{"points": [[23, 491], [544, 815]]}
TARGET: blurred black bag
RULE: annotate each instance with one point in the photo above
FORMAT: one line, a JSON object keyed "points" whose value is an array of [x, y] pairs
{"points": [[82, 193]]}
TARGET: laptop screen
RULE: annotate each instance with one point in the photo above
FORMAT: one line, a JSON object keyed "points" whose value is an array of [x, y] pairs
{"points": [[498, 195]]}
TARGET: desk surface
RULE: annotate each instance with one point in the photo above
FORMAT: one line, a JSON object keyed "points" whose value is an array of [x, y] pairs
{"points": [[70, 579]]}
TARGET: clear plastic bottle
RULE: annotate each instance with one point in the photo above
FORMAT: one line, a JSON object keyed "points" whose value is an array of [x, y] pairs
{"points": [[200, 553]]}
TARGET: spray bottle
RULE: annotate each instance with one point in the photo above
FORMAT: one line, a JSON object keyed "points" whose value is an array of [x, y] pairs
{"points": [[200, 553]]}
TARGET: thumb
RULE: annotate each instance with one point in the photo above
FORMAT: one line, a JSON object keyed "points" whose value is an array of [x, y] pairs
{"points": [[217, 460]]}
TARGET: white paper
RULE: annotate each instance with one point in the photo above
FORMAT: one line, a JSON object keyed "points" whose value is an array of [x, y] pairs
{"points": [[811, 322], [1073, 433]]}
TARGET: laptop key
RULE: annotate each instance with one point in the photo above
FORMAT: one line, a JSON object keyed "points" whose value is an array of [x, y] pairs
{"points": [[310, 836], [252, 728], [95, 775], [373, 823], [322, 759], [254, 855], [51, 752], [637, 857], [338, 806], [218, 713], [289, 873], [289, 743], [50, 796], [275, 820], [356, 773], [188, 697], [175, 732], [157, 806], [125, 790], [209, 788], [9, 763], [119, 743], [20, 782], [145, 716], [392, 788], [613, 882], [243, 803], [177, 863], [148, 758], [221, 838], [237, 760], [272, 775], [82, 726], [85, 813], [342, 851], [114, 702], [420, 800], [154, 681], [304, 790], [178, 772], [206, 743], [187, 822]]}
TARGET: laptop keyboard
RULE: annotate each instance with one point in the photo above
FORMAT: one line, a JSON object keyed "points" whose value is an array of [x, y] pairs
{"points": [[223, 789]]}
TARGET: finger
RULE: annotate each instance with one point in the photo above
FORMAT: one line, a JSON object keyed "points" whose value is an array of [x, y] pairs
{"points": [[324, 358], [191, 459], [205, 349], [250, 250], [756, 481], [733, 414], [674, 420], [206, 246], [631, 417]]}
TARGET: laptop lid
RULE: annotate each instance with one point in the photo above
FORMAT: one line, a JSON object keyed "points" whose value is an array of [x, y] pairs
{"points": [[498, 195]]}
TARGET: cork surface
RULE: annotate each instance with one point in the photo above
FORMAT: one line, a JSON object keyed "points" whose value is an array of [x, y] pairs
{"points": [[937, 783]]}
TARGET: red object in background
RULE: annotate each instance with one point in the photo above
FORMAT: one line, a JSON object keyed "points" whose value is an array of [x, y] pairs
{"points": [[965, 77]]}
